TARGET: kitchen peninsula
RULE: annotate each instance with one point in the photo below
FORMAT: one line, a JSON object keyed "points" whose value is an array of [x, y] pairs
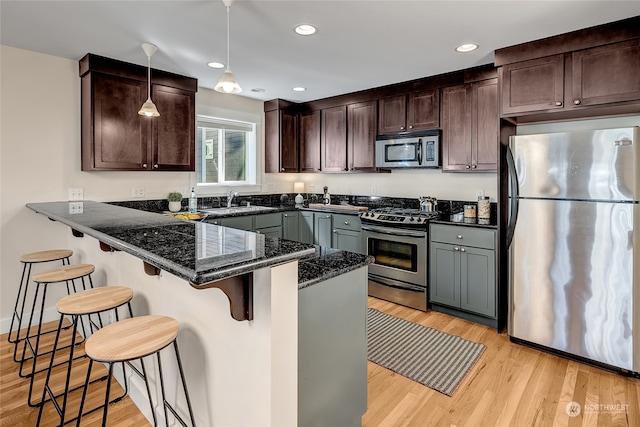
{"points": [[284, 343]]}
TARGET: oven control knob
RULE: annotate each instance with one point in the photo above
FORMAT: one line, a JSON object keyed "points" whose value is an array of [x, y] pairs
{"points": [[411, 219]]}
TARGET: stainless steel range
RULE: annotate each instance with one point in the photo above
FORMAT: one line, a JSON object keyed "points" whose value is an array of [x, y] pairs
{"points": [[397, 238]]}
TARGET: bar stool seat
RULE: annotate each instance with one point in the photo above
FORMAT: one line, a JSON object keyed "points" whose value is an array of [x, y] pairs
{"points": [[67, 274], [29, 260], [87, 303], [132, 339]]}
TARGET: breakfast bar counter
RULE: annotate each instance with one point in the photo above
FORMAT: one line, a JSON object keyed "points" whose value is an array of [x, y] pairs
{"points": [[293, 351]]}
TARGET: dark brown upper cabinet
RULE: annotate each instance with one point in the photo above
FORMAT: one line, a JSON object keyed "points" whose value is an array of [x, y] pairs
{"points": [[587, 73], [533, 85], [309, 139], [281, 137], [115, 137], [334, 139], [406, 113], [470, 127], [361, 136]]}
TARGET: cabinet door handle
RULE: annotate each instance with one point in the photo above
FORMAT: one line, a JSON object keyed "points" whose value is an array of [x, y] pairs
{"points": [[462, 250], [456, 248], [286, 216], [467, 167], [459, 236], [558, 104], [281, 169], [328, 216], [411, 127], [155, 166], [474, 166], [144, 166], [346, 223], [401, 127], [335, 231], [576, 102]]}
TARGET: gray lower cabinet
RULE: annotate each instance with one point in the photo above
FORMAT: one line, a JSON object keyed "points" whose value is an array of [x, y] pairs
{"points": [[332, 351], [238, 222], [268, 224], [305, 227], [322, 229], [347, 233], [291, 226], [462, 271]]}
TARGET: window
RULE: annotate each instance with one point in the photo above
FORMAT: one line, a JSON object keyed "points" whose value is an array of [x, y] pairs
{"points": [[226, 152]]}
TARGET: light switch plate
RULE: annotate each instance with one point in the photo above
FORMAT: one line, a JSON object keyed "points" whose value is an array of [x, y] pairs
{"points": [[76, 194]]}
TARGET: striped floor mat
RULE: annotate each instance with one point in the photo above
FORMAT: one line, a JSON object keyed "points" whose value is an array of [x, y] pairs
{"points": [[435, 359]]}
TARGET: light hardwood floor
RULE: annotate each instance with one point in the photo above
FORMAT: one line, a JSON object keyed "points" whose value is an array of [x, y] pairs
{"points": [[511, 385]]}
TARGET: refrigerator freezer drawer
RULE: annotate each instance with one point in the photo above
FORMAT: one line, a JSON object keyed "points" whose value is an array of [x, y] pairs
{"points": [[574, 286]]}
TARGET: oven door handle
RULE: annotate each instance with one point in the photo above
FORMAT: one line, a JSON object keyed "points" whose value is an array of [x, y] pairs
{"points": [[394, 232]]}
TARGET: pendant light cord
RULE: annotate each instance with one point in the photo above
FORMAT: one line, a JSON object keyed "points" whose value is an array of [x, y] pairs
{"points": [[228, 66], [149, 77]]}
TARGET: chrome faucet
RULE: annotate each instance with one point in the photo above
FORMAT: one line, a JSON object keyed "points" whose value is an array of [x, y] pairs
{"points": [[232, 194]]}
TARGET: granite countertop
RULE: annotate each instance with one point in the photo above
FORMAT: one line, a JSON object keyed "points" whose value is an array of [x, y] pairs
{"points": [[198, 252]]}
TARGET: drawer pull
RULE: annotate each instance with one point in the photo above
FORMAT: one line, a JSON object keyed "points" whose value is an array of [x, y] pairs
{"points": [[346, 223], [456, 248], [459, 236], [462, 250]]}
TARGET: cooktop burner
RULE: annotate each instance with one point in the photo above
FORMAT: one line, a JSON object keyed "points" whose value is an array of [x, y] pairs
{"points": [[398, 217]]}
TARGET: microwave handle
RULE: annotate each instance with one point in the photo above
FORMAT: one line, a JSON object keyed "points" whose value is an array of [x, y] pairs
{"points": [[420, 151]]}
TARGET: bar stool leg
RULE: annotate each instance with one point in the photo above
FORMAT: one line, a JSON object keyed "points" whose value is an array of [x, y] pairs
{"points": [[184, 383]]}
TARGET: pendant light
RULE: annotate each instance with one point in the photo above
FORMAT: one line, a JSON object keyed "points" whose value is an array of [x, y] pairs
{"points": [[228, 82], [149, 108]]}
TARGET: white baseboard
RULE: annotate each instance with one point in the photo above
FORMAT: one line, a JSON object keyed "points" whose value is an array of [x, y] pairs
{"points": [[49, 315]]}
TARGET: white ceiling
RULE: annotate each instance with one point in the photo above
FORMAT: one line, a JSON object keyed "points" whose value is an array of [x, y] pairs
{"points": [[359, 45]]}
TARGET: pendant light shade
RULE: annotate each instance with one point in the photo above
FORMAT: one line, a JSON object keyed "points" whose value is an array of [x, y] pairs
{"points": [[228, 82], [149, 109]]}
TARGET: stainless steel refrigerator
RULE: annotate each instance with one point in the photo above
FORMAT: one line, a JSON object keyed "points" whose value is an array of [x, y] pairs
{"points": [[574, 244]]}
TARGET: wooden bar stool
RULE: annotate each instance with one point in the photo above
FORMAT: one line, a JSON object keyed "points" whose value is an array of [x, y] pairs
{"points": [[28, 260], [132, 339], [67, 274], [93, 302]]}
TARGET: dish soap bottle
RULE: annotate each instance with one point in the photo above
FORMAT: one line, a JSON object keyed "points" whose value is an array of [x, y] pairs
{"points": [[193, 201], [326, 198]]}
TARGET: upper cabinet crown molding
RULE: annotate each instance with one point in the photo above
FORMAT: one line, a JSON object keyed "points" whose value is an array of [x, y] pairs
{"points": [[115, 137]]}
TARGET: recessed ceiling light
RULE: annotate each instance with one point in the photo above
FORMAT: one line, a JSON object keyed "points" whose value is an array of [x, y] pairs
{"points": [[466, 47], [305, 29], [299, 89], [257, 89], [215, 65]]}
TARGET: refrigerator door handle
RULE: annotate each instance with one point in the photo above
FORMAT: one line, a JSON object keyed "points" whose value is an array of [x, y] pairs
{"points": [[513, 196]]}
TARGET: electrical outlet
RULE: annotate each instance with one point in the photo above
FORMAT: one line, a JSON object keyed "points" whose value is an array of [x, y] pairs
{"points": [[76, 207], [76, 194], [137, 192]]}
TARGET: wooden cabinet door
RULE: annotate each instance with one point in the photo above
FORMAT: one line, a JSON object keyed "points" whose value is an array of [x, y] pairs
{"points": [[362, 136], [114, 135], [478, 281], [444, 274], [423, 110], [280, 141], [606, 74], [309, 139], [272, 141], [288, 141], [334, 139], [534, 85], [485, 124], [392, 114], [173, 136], [456, 128]]}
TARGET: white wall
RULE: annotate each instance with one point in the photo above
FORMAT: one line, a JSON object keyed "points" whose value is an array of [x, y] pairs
{"points": [[40, 161]]}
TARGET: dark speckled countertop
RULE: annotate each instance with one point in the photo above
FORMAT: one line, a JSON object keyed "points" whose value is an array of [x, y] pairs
{"points": [[197, 251]]}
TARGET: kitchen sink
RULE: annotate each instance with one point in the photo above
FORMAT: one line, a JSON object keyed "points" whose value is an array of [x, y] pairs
{"points": [[236, 209]]}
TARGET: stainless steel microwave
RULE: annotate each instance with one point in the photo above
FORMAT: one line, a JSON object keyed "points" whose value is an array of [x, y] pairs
{"points": [[408, 152]]}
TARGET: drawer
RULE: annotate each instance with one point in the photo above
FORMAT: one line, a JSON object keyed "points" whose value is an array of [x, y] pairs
{"points": [[464, 236], [268, 220], [347, 222]]}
